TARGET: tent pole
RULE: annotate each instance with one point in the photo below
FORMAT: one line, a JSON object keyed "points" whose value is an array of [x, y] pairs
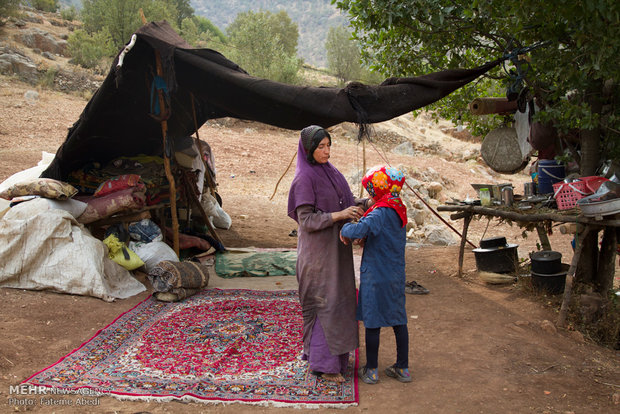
{"points": [[173, 191]]}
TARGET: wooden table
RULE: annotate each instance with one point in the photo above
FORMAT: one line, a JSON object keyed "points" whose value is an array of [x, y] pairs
{"points": [[537, 218]]}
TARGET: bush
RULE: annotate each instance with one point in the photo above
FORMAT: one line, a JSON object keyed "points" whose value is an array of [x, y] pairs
{"points": [[45, 5], [88, 50], [69, 13], [47, 79]]}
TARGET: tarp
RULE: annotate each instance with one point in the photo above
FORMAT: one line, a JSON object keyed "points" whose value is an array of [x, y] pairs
{"points": [[117, 119]]}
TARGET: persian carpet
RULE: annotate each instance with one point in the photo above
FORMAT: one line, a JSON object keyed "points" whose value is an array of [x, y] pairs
{"points": [[219, 346]]}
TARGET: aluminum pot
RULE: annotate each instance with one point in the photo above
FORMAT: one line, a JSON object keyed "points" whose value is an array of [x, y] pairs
{"points": [[546, 262]]}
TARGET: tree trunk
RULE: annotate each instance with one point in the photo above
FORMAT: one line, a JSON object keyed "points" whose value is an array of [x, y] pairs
{"points": [[590, 158], [604, 278]]}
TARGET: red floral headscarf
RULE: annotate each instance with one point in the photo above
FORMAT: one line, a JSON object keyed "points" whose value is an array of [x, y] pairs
{"points": [[383, 184]]}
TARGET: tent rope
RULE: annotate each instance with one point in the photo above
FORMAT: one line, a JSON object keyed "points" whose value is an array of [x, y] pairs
{"points": [[422, 199]]}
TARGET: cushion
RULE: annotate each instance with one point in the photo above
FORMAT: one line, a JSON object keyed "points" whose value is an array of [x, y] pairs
{"points": [[44, 187]]}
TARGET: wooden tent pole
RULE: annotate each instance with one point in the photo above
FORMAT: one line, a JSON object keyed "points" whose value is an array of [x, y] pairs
{"points": [[173, 191]]}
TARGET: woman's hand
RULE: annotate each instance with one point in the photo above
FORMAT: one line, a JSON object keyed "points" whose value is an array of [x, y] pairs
{"points": [[349, 213]]}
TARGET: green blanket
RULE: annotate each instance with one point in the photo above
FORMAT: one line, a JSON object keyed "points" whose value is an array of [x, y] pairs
{"points": [[255, 264]]}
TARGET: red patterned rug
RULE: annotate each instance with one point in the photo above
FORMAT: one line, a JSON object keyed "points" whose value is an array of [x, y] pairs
{"points": [[219, 346]]}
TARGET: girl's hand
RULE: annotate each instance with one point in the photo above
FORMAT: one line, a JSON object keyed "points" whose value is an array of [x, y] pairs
{"points": [[344, 240]]}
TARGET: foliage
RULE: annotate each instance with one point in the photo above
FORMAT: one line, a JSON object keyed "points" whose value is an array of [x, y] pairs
{"points": [[69, 13], [8, 8], [343, 54], [265, 45], [200, 32], [184, 10], [574, 73], [121, 18], [47, 80], [45, 5], [88, 50]]}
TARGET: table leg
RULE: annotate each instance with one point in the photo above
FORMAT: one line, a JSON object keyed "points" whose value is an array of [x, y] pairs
{"points": [[466, 221]]}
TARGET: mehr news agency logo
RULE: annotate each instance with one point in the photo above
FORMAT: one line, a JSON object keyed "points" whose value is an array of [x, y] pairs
{"points": [[31, 395]]}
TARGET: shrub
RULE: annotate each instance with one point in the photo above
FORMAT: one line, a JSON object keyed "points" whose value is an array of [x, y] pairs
{"points": [[88, 49]]}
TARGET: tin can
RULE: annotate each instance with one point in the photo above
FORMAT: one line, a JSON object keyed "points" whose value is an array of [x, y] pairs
{"points": [[528, 189], [507, 196]]}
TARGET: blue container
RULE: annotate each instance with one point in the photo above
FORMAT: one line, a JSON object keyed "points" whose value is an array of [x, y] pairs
{"points": [[549, 172]]}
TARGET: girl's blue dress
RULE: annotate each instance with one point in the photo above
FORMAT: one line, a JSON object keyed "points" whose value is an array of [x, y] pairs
{"points": [[381, 297]]}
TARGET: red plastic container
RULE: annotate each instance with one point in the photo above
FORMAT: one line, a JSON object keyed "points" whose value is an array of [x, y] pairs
{"points": [[567, 194]]}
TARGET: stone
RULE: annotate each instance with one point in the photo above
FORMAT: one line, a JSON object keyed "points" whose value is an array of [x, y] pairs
{"points": [[440, 236], [434, 188], [548, 327], [406, 148], [46, 42]]}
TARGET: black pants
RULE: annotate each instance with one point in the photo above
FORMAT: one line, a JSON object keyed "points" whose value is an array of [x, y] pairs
{"points": [[402, 346]]}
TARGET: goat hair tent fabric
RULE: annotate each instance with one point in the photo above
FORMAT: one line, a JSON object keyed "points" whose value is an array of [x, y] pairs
{"points": [[202, 84]]}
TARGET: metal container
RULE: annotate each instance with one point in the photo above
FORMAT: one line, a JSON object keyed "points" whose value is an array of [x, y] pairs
{"points": [[546, 262], [528, 189], [507, 196], [497, 260]]}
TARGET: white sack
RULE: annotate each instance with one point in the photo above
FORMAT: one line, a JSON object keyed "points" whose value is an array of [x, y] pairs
{"points": [[44, 248], [219, 218], [152, 253]]}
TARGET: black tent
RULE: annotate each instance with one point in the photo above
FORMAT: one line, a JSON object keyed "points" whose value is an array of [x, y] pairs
{"points": [[117, 120]]}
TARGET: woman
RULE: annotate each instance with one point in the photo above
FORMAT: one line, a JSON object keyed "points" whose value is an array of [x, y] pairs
{"points": [[320, 200]]}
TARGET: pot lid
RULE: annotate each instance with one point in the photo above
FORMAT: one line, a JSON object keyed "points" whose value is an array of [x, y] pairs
{"points": [[546, 256]]}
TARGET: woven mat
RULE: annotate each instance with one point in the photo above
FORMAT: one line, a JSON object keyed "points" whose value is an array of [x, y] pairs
{"points": [[219, 346]]}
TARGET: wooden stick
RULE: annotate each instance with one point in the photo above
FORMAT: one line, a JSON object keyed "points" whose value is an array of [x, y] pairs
{"points": [[535, 217], [466, 221], [542, 235], [570, 277], [173, 190], [282, 176], [191, 195]]}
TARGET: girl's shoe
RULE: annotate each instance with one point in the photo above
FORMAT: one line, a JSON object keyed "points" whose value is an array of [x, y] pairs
{"points": [[368, 375], [401, 374]]}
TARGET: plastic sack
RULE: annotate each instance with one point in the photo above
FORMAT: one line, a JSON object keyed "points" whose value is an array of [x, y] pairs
{"points": [[153, 253], [121, 254], [145, 231]]}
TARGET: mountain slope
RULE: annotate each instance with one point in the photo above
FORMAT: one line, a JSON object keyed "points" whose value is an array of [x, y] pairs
{"points": [[313, 18]]}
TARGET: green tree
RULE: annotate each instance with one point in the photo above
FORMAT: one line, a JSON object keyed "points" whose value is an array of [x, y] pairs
{"points": [[200, 32], [563, 53], [574, 74], [8, 8], [88, 50], [265, 45], [121, 18], [343, 54], [184, 10]]}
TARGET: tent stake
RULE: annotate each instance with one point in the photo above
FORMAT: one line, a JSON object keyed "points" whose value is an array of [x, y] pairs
{"points": [[173, 191]]}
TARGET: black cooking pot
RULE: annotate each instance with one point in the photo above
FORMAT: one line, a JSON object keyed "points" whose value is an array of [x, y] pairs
{"points": [[497, 260], [546, 262]]}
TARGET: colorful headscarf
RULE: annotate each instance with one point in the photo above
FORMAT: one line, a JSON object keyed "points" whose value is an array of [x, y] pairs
{"points": [[383, 184]]}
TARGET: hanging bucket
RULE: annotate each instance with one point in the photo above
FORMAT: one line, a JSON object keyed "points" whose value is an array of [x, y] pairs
{"points": [[549, 172]]}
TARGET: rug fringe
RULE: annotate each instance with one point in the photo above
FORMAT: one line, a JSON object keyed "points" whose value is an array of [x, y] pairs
{"points": [[265, 403]]}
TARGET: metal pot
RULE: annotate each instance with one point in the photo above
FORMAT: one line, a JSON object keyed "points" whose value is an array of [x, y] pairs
{"points": [[497, 260], [546, 262]]}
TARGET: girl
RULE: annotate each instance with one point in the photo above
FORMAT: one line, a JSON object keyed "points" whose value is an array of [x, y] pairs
{"points": [[381, 297]]}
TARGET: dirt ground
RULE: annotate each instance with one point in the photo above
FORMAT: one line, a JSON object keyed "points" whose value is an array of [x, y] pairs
{"points": [[474, 348]]}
